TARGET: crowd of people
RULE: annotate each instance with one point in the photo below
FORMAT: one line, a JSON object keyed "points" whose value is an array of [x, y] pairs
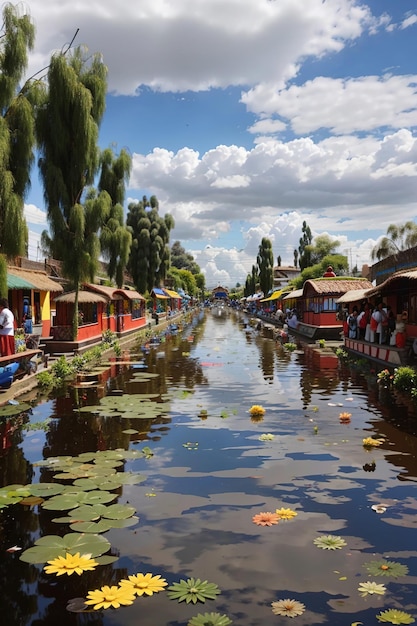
{"points": [[376, 324]]}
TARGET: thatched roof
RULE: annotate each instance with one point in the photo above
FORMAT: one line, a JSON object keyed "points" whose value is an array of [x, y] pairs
{"points": [[83, 297], [35, 278], [354, 295], [334, 286], [402, 275], [114, 293]]}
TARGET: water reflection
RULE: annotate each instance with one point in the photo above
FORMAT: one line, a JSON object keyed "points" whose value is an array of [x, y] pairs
{"points": [[209, 473]]}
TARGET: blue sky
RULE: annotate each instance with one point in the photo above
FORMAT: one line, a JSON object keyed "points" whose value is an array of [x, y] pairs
{"points": [[247, 117]]}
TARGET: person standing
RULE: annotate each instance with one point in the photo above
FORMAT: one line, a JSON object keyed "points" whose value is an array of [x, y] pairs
{"points": [[7, 346]]}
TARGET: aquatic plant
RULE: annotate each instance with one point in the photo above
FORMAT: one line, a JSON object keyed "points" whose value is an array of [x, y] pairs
{"points": [[370, 588], [209, 619], [394, 616], [144, 584], [287, 607], [345, 417], [321, 343], [342, 354], [385, 377], [193, 590], [113, 597], [70, 564], [265, 519], [286, 514], [329, 542], [50, 547], [266, 437], [386, 568], [290, 346], [370, 442], [257, 410]]}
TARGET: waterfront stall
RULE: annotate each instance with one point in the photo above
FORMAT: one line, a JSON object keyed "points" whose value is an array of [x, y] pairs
{"points": [[125, 311]]}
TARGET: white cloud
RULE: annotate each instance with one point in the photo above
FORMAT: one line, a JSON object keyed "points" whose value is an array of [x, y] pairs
{"points": [[34, 215], [409, 21], [341, 105], [192, 45]]}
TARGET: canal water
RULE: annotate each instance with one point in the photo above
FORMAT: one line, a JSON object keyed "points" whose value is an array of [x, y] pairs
{"points": [[198, 466]]}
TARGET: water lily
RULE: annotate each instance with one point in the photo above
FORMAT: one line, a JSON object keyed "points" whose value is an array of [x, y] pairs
{"points": [[394, 616], [209, 619], [286, 513], [386, 568], [265, 519], [71, 563], [370, 442], [193, 590], [345, 417], [266, 437], [144, 584], [370, 588], [257, 410], [329, 542], [107, 597], [379, 508], [287, 607]]}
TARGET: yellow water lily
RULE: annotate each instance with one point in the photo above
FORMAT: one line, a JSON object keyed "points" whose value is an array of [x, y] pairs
{"points": [[144, 584], [70, 563], [370, 442], [257, 409], [107, 597], [286, 513]]}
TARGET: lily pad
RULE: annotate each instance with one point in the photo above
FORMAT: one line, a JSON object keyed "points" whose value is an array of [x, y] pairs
{"points": [[69, 501], [51, 546], [44, 490], [130, 431], [8, 410]]}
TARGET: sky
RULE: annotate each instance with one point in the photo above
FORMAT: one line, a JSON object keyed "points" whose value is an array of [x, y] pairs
{"points": [[247, 117]]}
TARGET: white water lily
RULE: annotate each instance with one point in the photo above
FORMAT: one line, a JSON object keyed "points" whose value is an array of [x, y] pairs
{"points": [[371, 588]]}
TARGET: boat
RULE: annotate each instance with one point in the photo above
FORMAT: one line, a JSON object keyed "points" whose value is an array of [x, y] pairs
{"points": [[312, 312], [7, 373]]}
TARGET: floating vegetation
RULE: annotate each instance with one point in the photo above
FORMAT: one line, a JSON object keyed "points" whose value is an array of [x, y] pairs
{"points": [[257, 410], [286, 514], [394, 616], [370, 442], [266, 437], [371, 588], [386, 568], [329, 542], [287, 607], [209, 619], [70, 564], [144, 584], [193, 590], [129, 406], [110, 597], [10, 410], [51, 547], [266, 519]]}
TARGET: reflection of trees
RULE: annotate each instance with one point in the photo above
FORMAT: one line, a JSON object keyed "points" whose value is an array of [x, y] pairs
{"points": [[16, 527], [325, 381], [266, 358]]}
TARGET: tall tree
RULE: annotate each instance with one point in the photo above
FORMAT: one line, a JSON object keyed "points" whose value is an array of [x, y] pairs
{"points": [[67, 132], [182, 259], [398, 237], [149, 255], [295, 258], [265, 262], [305, 240], [115, 238], [321, 247], [17, 132]]}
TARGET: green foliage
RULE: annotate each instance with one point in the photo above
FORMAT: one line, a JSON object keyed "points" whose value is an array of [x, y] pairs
{"points": [[17, 129], [337, 261], [209, 619], [265, 263], [183, 260], [399, 237], [46, 380], [405, 378], [193, 590], [62, 368], [67, 129], [290, 346], [342, 354], [149, 255]]}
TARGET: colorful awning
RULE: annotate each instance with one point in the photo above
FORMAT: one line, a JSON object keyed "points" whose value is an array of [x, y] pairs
{"points": [[159, 293], [172, 294]]}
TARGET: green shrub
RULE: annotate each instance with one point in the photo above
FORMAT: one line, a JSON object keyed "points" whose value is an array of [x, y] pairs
{"points": [[46, 380], [290, 346], [62, 368], [405, 378]]}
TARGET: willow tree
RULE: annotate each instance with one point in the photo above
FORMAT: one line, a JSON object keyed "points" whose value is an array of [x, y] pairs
{"points": [[17, 134], [150, 254], [67, 133], [115, 238], [399, 237], [265, 262]]}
